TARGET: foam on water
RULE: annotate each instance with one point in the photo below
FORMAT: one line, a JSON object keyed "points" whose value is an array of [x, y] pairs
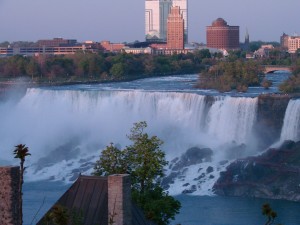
{"points": [[66, 129]]}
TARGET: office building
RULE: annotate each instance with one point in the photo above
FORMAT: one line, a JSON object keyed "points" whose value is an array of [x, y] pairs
{"points": [[222, 36], [57, 42], [290, 43], [156, 15], [175, 33], [183, 5]]}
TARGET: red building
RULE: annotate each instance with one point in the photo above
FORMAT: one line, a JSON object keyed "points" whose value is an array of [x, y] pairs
{"points": [[175, 29], [222, 36]]}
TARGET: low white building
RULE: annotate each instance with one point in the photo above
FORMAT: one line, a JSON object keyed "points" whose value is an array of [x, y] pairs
{"points": [[147, 50]]}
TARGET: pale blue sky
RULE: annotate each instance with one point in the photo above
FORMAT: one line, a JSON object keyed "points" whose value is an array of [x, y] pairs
{"points": [[123, 20]]}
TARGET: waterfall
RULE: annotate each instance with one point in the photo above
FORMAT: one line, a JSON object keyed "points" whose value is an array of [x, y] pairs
{"points": [[65, 130], [231, 119], [291, 124]]}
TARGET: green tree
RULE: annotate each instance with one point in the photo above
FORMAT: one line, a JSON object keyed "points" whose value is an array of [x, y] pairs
{"points": [[144, 161], [21, 152], [292, 85], [112, 161], [146, 158], [118, 70], [269, 213]]}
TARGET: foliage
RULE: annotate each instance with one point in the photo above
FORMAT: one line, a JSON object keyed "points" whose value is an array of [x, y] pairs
{"points": [[60, 215], [226, 76], [266, 83], [157, 205], [102, 66], [292, 85], [144, 161], [21, 152], [112, 161], [269, 213], [146, 158]]}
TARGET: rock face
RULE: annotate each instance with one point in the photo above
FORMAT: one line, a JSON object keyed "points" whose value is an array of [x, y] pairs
{"points": [[270, 116], [191, 157], [275, 175], [194, 159]]}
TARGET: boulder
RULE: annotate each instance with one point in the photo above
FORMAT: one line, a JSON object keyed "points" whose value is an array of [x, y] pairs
{"points": [[274, 175], [193, 156]]}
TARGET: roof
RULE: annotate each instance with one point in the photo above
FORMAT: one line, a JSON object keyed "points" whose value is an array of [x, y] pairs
{"points": [[89, 196], [220, 22]]}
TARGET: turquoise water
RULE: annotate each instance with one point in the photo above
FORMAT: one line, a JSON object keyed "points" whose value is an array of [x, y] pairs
{"points": [[204, 210]]}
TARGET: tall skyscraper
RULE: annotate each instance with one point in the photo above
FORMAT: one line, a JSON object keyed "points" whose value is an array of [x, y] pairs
{"points": [[183, 5], [156, 15], [175, 34], [222, 36]]}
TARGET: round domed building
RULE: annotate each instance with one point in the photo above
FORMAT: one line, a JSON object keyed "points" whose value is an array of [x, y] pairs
{"points": [[222, 36]]}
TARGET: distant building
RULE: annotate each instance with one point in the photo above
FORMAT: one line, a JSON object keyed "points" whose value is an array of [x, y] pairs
{"points": [[34, 51], [284, 41], [175, 34], [263, 51], [156, 15], [111, 47], [291, 43], [129, 50], [246, 45], [57, 42], [183, 5], [222, 36]]}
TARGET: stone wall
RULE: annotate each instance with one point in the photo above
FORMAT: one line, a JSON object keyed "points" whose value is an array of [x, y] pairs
{"points": [[119, 200], [9, 195]]}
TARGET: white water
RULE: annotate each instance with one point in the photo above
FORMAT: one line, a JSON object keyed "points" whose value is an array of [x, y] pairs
{"points": [[231, 119], [84, 122], [291, 125]]}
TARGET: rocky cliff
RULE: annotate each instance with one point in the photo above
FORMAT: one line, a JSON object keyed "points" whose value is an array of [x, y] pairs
{"points": [[270, 115], [274, 174]]}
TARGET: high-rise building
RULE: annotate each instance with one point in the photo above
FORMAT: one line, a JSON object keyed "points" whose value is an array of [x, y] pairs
{"points": [[284, 40], [222, 36], [175, 33], [183, 5], [156, 15]]}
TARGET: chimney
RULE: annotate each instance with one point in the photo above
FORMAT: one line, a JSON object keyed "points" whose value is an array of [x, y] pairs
{"points": [[119, 200], [9, 195]]}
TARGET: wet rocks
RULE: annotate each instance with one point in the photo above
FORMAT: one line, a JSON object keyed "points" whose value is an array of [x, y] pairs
{"points": [[274, 175], [192, 156], [180, 167]]}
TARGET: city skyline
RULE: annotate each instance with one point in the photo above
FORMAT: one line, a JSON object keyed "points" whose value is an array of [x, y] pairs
{"points": [[120, 21], [156, 14]]}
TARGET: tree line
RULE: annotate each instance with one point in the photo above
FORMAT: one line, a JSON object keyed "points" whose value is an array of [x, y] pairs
{"points": [[101, 66]]}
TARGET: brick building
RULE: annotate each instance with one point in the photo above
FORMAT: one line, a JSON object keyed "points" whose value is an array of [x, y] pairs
{"points": [[175, 29], [57, 42], [222, 36]]}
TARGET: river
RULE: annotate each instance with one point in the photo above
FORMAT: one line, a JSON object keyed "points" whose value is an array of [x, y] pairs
{"points": [[66, 127]]}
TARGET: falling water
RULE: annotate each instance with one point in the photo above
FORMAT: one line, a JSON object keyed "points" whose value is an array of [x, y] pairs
{"points": [[66, 129], [291, 125]]}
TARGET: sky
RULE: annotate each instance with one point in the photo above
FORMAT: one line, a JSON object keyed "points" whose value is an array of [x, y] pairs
{"points": [[123, 20]]}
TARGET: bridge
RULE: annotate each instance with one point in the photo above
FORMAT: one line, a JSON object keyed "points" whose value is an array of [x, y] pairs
{"points": [[274, 68]]}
